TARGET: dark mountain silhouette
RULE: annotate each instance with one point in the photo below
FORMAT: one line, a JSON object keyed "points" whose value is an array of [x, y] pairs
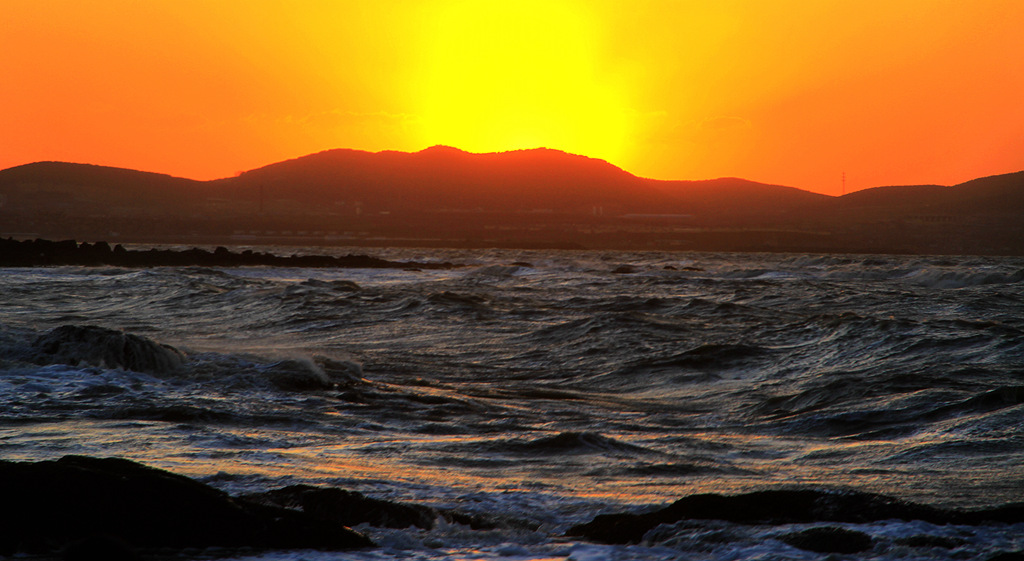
{"points": [[732, 196], [994, 195], [79, 188], [525, 180], [438, 178], [526, 198]]}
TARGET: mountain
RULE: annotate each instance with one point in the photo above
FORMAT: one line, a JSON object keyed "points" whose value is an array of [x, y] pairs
{"points": [[448, 178], [518, 181], [524, 198], [83, 188], [994, 195]]}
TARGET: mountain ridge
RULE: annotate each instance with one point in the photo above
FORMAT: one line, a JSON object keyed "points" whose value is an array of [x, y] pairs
{"points": [[540, 195]]}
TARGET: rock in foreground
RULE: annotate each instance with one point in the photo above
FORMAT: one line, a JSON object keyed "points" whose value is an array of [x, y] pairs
{"points": [[784, 507], [350, 508], [347, 508], [53, 506]]}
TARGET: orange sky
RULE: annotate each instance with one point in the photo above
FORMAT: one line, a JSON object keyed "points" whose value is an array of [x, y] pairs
{"points": [[793, 92]]}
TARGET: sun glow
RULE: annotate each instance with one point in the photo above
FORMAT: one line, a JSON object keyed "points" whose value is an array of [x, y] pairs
{"points": [[788, 91], [511, 75]]}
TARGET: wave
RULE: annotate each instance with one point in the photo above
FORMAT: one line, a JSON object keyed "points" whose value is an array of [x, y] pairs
{"points": [[938, 278], [101, 349], [858, 408], [450, 299], [569, 443], [700, 364], [106, 348], [681, 469], [499, 271], [985, 402]]}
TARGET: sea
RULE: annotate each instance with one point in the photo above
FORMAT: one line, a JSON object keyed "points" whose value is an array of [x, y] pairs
{"points": [[547, 387]]}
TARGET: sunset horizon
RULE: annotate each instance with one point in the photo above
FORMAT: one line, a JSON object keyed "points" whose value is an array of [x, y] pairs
{"points": [[527, 280], [844, 190], [823, 97]]}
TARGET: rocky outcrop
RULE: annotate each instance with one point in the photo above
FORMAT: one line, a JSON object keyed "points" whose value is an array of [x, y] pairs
{"points": [[36, 253], [86, 506], [347, 508], [784, 506], [350, 508]]}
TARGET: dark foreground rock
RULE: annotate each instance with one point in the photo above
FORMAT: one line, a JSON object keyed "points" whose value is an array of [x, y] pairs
{"points": [[1008, 556], [785, 507], [36, 253], [350, 508], [347, 508], [85, 506]]}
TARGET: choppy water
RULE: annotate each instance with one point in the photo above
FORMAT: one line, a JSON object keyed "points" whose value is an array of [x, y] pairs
{"points": [[549, 387]]}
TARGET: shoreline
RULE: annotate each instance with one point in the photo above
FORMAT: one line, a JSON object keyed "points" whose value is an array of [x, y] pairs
{"points": [[38, 252]]}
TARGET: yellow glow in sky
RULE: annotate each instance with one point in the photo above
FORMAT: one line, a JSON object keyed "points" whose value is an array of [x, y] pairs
{"points": [[508, 75], [792, 92]]}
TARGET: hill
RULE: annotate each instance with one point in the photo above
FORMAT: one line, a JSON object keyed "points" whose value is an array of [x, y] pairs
{"points": [[528, 198], [990, 196], [444, 178], [84, 188]]}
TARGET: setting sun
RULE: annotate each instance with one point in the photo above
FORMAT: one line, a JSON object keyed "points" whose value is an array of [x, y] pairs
{"points": [[503, 76]]}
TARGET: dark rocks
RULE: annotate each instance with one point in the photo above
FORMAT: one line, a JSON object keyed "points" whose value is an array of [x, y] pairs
{"points": [[85, 506], [784, 507], [94, 548], [1007, 556], [348, 508], [35, 253], [98, 346], [829, 539]]}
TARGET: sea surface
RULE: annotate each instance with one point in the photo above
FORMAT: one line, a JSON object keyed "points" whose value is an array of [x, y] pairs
{"points": [[550, 386]]}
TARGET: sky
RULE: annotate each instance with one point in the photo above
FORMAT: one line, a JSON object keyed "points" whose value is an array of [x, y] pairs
{"points": [[791, 92]]}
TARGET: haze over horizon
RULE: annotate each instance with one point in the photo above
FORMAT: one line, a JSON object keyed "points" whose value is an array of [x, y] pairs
{"points": [[787, 93]]}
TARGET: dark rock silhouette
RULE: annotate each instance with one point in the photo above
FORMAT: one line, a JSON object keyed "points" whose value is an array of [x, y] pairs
{"points": [[351, 508], [348, 508], [99, 346], [1007, 556], [39, 252], [87, 506], [785, 507], [100, 548]]}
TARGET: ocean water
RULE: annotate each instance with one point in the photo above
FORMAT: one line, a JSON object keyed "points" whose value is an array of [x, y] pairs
{"points": [[547, 387]]}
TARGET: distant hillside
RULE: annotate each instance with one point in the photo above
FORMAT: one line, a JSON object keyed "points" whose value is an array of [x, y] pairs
{"points": [[731, 196], [990, 196], [443, 178], [438, 178], [526, 198], [85, 188], [449, 179]]}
